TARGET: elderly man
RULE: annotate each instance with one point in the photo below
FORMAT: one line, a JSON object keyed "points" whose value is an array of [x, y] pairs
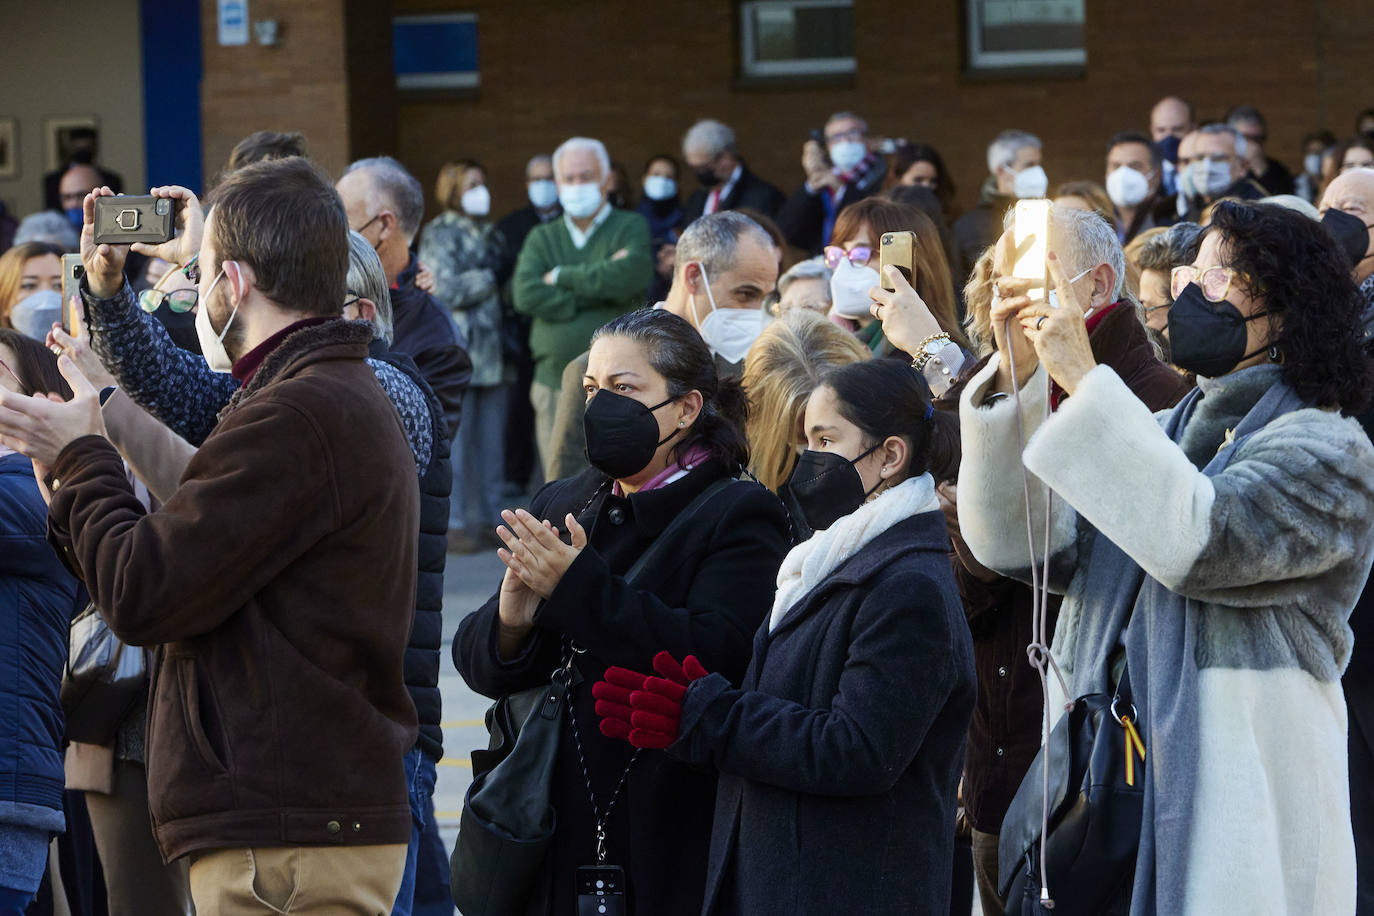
{"points": [[726, 182], [837, 174], [1134, 172], [385, 205], [726, 266], [271, 646], [1171, 119], [1347, 210], [1218, 168], [576, 273], [1015, 170], [805, 285]]}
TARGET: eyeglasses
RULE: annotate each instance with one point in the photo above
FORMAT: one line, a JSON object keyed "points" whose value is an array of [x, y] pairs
{"points": [[853, 133], [1215, 281], [178, 300], [374, 219], [191, 269], [351, 298], [859, 255]]}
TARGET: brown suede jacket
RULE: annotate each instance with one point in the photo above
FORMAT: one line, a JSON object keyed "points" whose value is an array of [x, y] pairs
{"points": [[278, 583]]}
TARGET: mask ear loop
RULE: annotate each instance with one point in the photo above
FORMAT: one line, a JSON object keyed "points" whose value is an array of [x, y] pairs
{"points": [[1038, 652]]}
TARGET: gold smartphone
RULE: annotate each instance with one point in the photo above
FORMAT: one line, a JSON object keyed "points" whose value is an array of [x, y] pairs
{"points": [[896, 250], [72, 272], [1030, 234]]}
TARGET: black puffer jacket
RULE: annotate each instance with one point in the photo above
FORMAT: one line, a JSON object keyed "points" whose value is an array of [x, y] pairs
{"points": [[426, 634]]}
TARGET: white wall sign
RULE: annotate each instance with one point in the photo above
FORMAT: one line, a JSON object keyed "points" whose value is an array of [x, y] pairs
{"points": [[233, 22]]}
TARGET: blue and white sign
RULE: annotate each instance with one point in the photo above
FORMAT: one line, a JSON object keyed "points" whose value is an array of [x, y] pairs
{"points": [[233, 22]]}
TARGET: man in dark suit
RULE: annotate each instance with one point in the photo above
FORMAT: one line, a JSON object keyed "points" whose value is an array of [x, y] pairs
{"points": [[726, 182], [82, 151]]}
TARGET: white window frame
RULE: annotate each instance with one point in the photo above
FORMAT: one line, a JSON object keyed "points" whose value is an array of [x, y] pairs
{"points": [[1005, 60], [815, 66]]}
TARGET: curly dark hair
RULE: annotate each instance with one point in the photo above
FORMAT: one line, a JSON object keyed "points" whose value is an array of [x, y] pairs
{"points": [[1304, 279]]}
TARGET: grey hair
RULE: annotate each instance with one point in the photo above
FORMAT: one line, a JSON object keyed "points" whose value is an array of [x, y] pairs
{"points": [[366, 278], [1172, 248], [711, 136], [596, 147], [863, 125], [47, 226], [713, 240], [1083, 240], [540, 159], [810, 269], [1004, 147], [1219, 128], [391, 187]]}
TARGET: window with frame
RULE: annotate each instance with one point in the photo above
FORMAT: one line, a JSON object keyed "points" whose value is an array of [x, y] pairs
{"points": [[796, 38], [1016, 36]]}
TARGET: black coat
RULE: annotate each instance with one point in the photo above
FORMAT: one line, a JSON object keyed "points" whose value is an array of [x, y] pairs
{"points": [[802, 217], [840, 758], [424, 331], [707, 599], [749, 193]]}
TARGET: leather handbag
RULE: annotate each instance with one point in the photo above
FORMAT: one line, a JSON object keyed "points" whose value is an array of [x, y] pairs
{"points": [[103, 680], [1095, 758], [508, 819]]}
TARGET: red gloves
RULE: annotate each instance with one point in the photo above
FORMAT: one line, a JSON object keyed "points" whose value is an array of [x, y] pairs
{"points": [[642, 709]]}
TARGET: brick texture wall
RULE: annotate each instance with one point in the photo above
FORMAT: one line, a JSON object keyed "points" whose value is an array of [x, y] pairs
{"points": [[637, 74]]}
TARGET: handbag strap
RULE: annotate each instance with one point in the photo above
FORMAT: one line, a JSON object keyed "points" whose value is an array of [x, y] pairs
{"points": [[664, 542]]}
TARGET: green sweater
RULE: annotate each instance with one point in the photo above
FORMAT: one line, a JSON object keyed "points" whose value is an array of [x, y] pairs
{"points": [[591, 289]]}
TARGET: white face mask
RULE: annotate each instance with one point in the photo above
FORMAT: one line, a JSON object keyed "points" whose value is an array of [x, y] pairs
{"points": [[1031, 182], [477, 201], [580, 201], [660, 187], [543, 193], [212, 344], [1312, 163], [1211, 178], [33, 316], [728, 332], [847, 153], [849, 286], [1127, 187]]}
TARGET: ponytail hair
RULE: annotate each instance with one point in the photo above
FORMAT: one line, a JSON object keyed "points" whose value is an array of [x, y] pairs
{"points": [[884, 397], [677, 352]]}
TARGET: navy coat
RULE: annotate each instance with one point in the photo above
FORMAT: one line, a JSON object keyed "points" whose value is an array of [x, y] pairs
{"points": [[840, 757], [37, 599]]}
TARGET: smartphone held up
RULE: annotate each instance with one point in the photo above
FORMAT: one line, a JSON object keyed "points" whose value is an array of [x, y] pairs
{"points": [[897, 250], [125, 219], [1030, 237]]}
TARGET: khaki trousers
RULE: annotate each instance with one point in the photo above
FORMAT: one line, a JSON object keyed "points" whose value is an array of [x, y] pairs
{"points": [[544, 400], [313, 880], [985, 869]]}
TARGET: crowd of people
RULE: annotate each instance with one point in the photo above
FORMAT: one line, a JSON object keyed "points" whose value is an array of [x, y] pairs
{"points": [[823, 557]]}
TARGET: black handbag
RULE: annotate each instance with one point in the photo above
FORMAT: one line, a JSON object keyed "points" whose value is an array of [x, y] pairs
{"points": [[1096, 764], [508, 819], [103, 680]]}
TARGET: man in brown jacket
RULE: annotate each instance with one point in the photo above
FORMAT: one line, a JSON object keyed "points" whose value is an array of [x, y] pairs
{"points": [[278, 582]]}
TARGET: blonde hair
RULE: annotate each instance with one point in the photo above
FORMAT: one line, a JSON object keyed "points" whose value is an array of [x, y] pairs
{"points": [[783, 367], [1132, 253], [448, 187], [978, 301]]}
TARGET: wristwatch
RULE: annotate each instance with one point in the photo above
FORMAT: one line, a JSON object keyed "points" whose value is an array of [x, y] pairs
{"points": [[939, 359]]}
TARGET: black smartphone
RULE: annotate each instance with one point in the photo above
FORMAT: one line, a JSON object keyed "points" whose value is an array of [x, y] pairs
{"points": [[817, 134], [72, 272], [125, 219], [601, 890]]}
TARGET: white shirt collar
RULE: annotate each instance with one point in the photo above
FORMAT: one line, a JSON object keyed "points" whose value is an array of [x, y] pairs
{"points": [[579, 238], [730, 185]]}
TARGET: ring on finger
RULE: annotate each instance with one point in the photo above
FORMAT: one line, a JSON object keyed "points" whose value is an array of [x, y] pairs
{"points": [[1039, 321]]}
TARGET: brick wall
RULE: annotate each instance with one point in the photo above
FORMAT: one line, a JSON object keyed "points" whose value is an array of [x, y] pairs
{"points": [[637, 74]]}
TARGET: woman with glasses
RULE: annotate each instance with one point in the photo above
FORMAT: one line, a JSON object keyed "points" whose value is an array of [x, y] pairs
{"points": [[37, 600], [854, 256], [1212, 552]]}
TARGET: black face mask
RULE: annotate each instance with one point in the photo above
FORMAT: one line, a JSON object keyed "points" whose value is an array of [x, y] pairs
{"points": [[622, 434], [1207, 338], [1168, 148], [707, 176], [824, 487], [1349, 231]]}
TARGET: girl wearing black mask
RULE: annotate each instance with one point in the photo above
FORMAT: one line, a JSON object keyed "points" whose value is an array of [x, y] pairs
{"points": [[665, 439], [840, 756]]}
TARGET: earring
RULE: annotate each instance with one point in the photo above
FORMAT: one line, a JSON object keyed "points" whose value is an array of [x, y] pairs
{"points": [[681, 423], [1274, 355]]}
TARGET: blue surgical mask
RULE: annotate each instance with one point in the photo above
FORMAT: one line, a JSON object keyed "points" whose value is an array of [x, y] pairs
{"points": [[582, 200], [543, 193], [847, 153], [76, 216]]}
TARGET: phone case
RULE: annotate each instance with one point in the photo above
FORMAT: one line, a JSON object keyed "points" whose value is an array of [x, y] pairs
{"points": [[125, 219]]}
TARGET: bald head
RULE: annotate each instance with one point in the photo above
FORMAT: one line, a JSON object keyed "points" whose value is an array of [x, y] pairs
{"points": [[1171, 117], [1353, 192], [76, 183]]}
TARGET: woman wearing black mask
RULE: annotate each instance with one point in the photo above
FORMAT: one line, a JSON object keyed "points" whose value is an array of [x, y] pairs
{"points": [[662, 432], [840, 756], [1222, 543]]}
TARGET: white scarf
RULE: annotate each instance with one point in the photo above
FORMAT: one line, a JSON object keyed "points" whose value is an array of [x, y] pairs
{"points": [[810, 562]]}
